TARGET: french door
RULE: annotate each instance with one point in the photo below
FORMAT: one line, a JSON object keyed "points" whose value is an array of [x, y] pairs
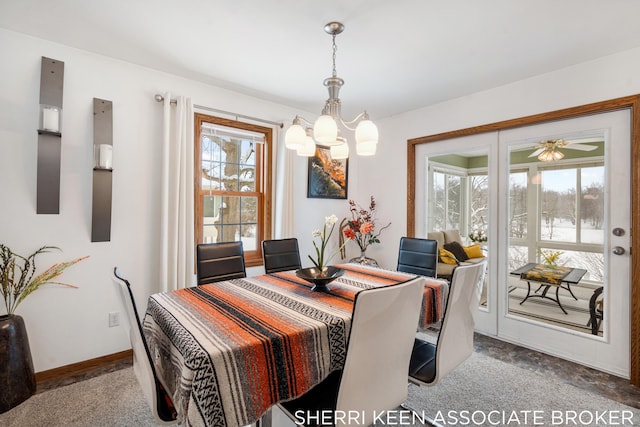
{"points": [[577, 207]]}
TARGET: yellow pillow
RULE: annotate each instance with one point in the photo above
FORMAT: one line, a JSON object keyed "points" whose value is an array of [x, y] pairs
{"points": [[474, 251], [446, 256]]}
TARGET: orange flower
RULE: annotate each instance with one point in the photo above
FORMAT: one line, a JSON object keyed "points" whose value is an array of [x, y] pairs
{"points": [[349, 233], [366, 227]]}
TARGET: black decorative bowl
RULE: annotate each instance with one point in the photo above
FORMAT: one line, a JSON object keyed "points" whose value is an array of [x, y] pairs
{"points": [[320, 279]]}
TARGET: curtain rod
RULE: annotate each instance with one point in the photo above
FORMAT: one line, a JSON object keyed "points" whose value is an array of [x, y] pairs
{"points": [[160, 98]]}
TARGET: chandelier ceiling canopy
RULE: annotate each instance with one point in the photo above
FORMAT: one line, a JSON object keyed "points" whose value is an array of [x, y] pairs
{"points": [[327, 129]]}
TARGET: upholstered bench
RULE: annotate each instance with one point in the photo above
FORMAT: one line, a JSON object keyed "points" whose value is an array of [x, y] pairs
{"points": [[451, 242]]}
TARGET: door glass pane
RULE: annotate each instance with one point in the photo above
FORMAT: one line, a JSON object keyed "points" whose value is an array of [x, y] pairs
{"points": [[458, 199], [557, 190]]}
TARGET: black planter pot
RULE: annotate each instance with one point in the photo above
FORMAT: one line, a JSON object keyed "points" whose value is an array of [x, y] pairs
{"points": [[17, 379]]}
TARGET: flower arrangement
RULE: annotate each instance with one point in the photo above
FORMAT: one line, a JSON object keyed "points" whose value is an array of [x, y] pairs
{"points": [[550, 257], [320, 261], [477, 236], [362, 225], [17, 279]]}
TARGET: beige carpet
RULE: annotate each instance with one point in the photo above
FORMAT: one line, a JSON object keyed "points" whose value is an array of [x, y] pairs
{"points": [[481, 384]]}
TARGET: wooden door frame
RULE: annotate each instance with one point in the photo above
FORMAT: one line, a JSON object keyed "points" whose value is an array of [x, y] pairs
{"points": [[629, 102]]}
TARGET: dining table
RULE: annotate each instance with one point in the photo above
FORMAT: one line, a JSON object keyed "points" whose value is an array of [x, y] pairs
{"points": [[227, 351]]}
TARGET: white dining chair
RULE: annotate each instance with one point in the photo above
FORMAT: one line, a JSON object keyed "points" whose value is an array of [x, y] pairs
{"points": [[159, 400], [374, 378], [431, 362]]}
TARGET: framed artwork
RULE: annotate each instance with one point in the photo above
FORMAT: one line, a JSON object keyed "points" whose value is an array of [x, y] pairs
{"points": [[327, 178]]}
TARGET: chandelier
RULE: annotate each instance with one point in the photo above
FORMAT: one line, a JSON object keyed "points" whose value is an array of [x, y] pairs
{"points": [[303, 139]]}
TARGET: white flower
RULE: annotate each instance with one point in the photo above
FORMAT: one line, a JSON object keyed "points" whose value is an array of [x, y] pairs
{"points": [[316, 233], [330, 220]]}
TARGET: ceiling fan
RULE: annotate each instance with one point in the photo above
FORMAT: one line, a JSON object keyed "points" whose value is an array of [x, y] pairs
{"points": [[547, 150]]}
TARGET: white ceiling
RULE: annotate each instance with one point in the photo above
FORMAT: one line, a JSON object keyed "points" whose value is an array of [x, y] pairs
{"points": [[394, 56]]}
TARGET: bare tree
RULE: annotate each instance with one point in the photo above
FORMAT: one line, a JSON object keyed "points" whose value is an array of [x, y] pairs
{"points": [[517, 210], [479, 201], [592, 206], [550, 203]]}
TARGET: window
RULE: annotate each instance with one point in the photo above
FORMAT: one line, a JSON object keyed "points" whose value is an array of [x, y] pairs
{"points": [[571, 215], [232, 184], [446, 200], [458, 198], [518, 204], [479, 201], [568, 203], [572, 207]]}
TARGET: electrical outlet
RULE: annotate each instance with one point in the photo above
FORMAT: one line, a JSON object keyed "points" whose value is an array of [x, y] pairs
{"points": [[114, 319]]}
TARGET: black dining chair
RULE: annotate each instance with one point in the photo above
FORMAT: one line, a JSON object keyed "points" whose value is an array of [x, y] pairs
{"points": [[158, 399], [216, 262], [431, 362], [280, 255], [374, 378], [418, 256]]}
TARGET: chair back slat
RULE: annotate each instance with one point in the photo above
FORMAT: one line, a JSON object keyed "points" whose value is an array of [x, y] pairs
{"points": [[280, 255], [219, 261], [418, 256]]}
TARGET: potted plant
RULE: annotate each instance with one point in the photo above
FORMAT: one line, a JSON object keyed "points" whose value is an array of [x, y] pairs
{"points": [[17, 281], [550, 257], [361, 228], [322, 273]]}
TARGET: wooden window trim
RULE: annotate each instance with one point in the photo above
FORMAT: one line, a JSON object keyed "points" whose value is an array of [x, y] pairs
{"points": [[263, 171]]}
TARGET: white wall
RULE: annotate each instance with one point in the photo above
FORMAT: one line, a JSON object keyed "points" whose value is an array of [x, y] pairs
{"points": [[385, 175], [71, 325]]}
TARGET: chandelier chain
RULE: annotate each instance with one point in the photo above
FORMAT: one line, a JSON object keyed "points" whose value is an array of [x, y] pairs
{"points": [[335, 48]]}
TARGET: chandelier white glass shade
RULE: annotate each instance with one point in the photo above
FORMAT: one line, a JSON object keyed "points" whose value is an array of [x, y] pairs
{"points": [[326, 129], [308, 146]]}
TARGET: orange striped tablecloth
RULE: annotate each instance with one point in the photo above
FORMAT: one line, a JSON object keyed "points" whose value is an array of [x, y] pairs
{"points": [[228, 351]]}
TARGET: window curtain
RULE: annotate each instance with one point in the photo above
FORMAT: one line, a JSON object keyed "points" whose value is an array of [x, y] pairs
{"points": [[283, 213], [177, 205]]}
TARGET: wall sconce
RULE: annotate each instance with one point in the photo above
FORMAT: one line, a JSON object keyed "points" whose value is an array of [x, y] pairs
{"points": [[50, 118], [49, 136], [103, 156], [102, 170]]}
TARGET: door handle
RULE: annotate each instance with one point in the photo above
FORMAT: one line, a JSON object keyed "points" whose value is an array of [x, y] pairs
{"points": [[618, 250], [618, 231]]}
